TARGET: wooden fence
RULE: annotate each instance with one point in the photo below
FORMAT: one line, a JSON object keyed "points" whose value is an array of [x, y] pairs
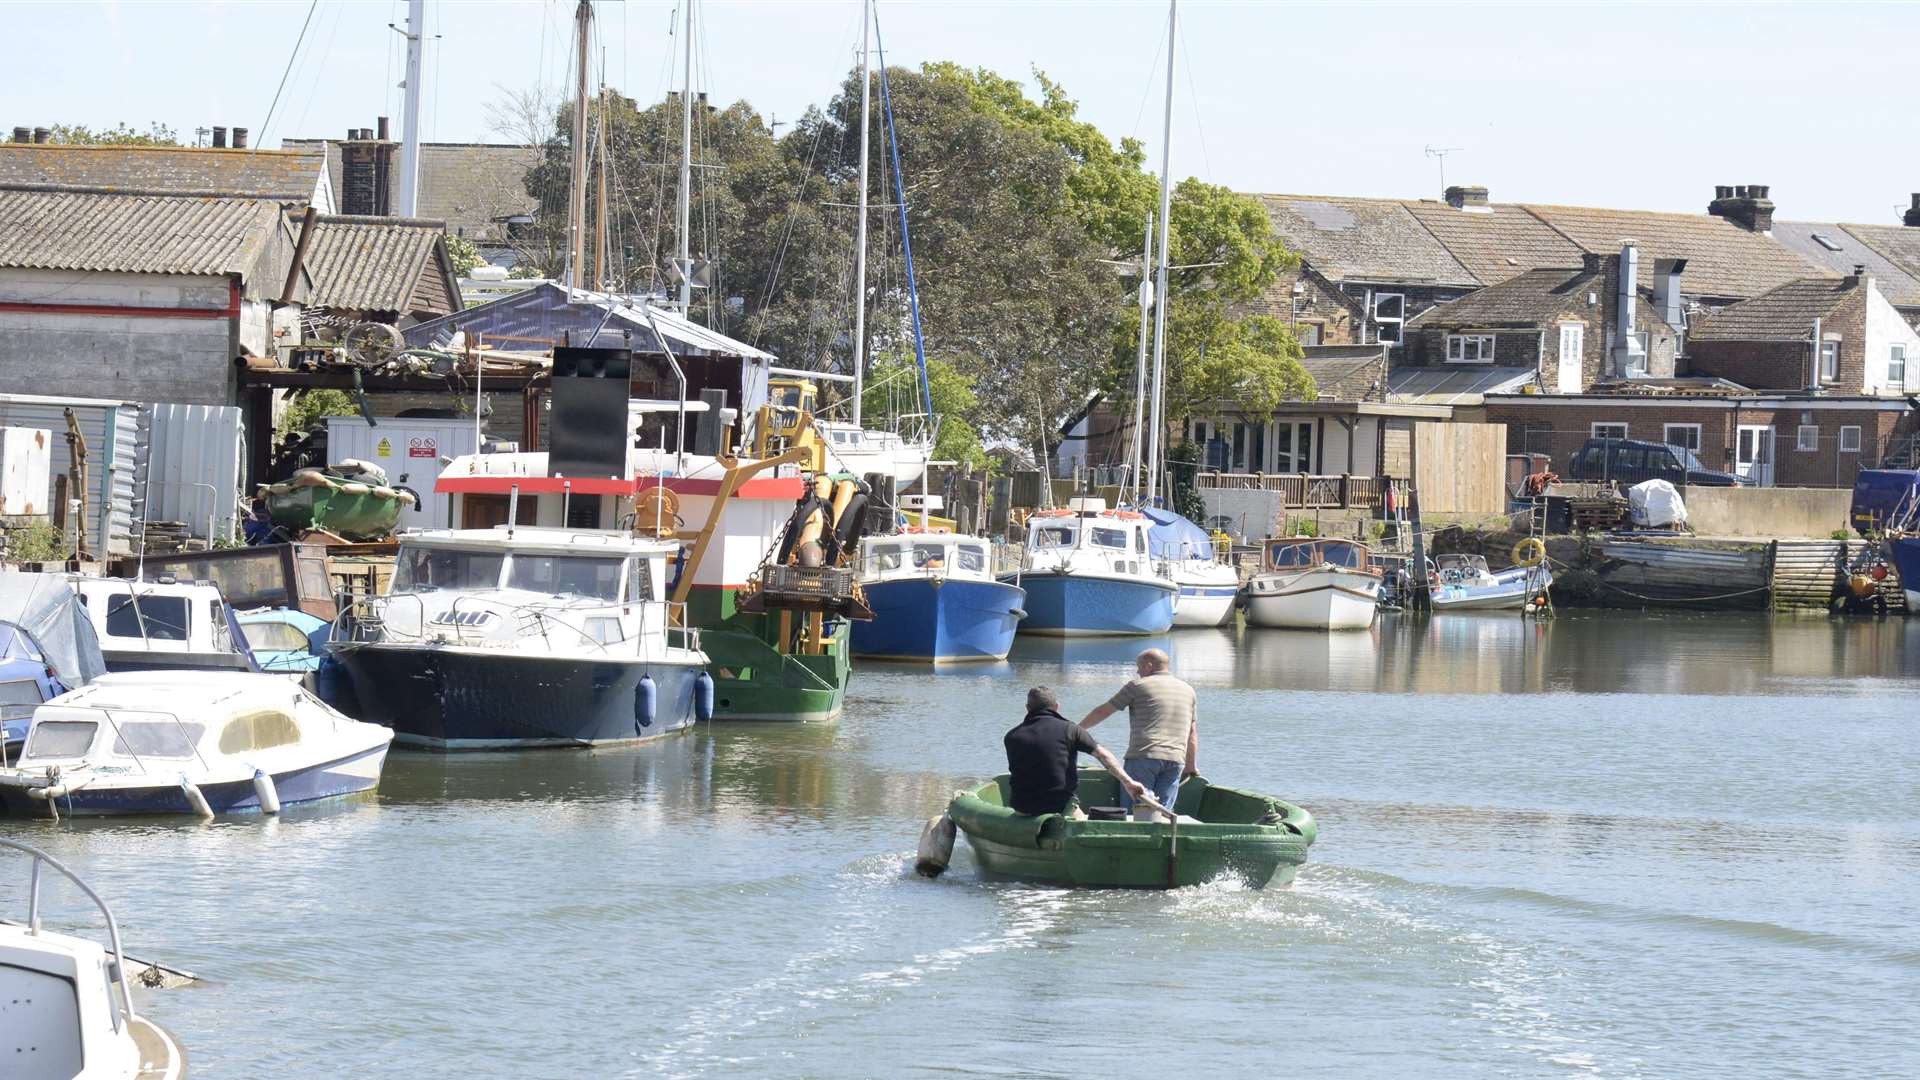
{"points": [[1302, 491]]}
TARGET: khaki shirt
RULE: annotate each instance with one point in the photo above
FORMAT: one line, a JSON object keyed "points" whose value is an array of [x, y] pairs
{"points": [[1161, 709]]}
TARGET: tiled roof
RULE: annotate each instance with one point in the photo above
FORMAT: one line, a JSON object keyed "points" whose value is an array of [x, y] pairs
{"points": [[467, 185], [1364, 240], [1723, 260], [1454, 385], [371, 263], [1498, 242], [1840, 248], [292, 175], [1346, 372], [1523, 300], [55, 229], [1784, 314], [1899, 245]]}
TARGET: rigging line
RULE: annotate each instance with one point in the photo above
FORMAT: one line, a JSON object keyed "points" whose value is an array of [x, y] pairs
{"points": [[386, 100], [320, 67], [283, 75], [1193, 103], [906, 243], [1147, 84]]}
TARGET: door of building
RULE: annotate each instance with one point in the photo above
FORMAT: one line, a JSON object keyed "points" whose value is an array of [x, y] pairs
{"points": [[1573, 340], [1753, 454]]}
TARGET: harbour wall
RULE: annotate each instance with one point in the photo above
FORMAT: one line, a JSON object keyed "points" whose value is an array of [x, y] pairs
{"points": [[1784, 513]]}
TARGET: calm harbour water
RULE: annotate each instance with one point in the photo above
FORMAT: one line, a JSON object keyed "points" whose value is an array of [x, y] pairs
{"points": [[1616, 846]]}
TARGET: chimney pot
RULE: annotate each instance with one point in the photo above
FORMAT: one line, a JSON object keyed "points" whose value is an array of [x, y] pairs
{"points": [[1462, 197], [42, 135], [1912, 216], [1758, 191], [381, 127], [239, 138], [220, 137], [352, 134], [1859, 269], [21, 134], [1722, 191]]}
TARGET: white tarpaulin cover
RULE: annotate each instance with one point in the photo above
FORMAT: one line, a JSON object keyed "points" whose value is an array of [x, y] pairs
{"points": [[1655, 505], [47, 610]]}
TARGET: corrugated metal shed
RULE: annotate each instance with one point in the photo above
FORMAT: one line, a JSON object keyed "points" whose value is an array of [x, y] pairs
{"points": [[53, 229], [190, 467], [535, 320], [373, 263], [1455, 385], [112, 431]]}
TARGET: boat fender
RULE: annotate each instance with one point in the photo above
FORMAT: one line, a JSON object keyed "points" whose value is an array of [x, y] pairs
{"points": [[385, 492], [407, 498], [269, 795], [703, 697], [645, 698], [195, 798], [936, 847], [354, 487], [1529, 552]]}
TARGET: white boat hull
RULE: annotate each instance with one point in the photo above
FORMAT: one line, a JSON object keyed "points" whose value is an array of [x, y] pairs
{"points": [[1509, 590], [1322, 598]]}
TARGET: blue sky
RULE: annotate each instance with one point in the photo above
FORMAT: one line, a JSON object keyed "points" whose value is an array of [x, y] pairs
{"points": [[1629, 105]]}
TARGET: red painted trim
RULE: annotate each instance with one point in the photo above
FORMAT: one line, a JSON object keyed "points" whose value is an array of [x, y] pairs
{"points": [[128, 312]]}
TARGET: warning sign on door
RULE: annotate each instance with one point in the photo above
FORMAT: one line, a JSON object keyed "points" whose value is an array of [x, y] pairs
{"points": [[422, 446], [384, 448]]}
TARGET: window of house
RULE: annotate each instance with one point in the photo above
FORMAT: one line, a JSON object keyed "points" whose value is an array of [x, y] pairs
{"points": [[1643, 342], [1829, 361], [1850, 438], [1687, 435], [1390, 312], [1807, 437], [1609, 431], [1308, 333], [1469, 348], [1897, 365]]}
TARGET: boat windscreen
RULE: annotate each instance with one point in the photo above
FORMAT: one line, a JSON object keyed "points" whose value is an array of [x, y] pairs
{"points": [[1109, 538], [159, 618], [973, 557], [929, 556], [566, 575], [157, 738], [59, 739], [1337, 554], [1281, 555], [419, 569], [1053, 536]]}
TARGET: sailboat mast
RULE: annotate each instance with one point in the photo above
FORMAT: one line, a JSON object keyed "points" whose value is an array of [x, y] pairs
{"points": [[600, 201], [860, 229], [686, 164], [1140, 388], [410, 116], [1160, 286], [577, 185]]}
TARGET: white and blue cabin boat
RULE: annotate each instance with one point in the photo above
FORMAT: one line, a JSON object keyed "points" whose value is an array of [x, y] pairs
{"points": [[1209, 586], [1463, 583], [934, 598], [1088, 573]]}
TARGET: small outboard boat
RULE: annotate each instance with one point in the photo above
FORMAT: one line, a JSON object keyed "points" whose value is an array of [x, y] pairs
{"points": [[1219, 832], [66, 1003], [162, 625], [179, 742], [1463, 583]]}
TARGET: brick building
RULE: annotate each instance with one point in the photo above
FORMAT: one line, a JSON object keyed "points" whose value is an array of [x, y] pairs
{"points": [[478, 189], [1840, 335]]}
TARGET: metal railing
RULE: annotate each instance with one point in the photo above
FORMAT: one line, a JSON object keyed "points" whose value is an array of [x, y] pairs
{"points": [[1305, 491], [119, 973]]}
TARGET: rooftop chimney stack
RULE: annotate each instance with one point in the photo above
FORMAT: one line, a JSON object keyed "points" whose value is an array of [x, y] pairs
{"points": [[1912, 217], [366, 170], [381, 127], [239, 138], [1666, 292], [1471, 199], [1628, 357], [220, 138], [42, 135], [1745, 205], [21, 134]]}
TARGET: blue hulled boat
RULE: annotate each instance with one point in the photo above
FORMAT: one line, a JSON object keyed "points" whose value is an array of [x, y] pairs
{"points": [[1904, 551], [934, 598], [1088, 573]]}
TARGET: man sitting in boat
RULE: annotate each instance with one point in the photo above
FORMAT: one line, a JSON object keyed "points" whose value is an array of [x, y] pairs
{"points": [[1163, 712], [1043, 759]]}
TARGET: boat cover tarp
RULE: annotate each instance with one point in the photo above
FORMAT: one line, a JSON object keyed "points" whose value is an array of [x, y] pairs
{"points": [[1655, 503], [47, 610], [1171, 536]]}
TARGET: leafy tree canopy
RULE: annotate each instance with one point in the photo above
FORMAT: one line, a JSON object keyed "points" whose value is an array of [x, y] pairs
{"points": [[463, 255], [157, 134]]}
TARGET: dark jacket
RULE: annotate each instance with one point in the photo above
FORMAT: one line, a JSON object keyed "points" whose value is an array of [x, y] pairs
{"points": [[1043, 762]]}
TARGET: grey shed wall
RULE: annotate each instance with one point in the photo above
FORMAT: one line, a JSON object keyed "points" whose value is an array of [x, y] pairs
{"points": [[113, 434]]}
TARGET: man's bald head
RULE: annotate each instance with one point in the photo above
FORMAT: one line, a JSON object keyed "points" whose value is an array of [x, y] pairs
{"points": [[1151, 662]]}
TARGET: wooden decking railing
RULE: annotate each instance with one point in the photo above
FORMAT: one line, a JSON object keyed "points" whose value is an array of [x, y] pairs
{"points": [[1304, 491]]}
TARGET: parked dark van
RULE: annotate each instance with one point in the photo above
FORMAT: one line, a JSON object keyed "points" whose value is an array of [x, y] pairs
{"points": [[1879, 495], [1632, 461]]}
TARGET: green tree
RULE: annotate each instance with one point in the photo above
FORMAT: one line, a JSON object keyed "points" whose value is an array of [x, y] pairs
{"points": [[310, 407], [463, 255], [157, 134], [893, 389]]}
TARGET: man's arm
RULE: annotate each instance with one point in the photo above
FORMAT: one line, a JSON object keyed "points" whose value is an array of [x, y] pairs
{"points": [[1100, 712], [1193, 748], [1134, 787]]}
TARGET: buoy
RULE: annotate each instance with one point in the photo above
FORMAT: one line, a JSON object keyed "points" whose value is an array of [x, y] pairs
{"points": [[195, 799], [936, 847], [645, 695], [1861, 584], [1529, 552], [269, 796], [703, 697], [1879, 572]]}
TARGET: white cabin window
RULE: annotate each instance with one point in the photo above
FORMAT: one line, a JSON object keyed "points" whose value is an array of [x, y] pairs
{"points": [[1053, 536], [60, 739], [973, 558], [418, 569], [1897, 366], [1687, 435], [929, 556], [1109, 538], [639, 580], [1470, 348], [1807, 437], [1850, 439], [157, 738], [570, 575], [1390, 313]]}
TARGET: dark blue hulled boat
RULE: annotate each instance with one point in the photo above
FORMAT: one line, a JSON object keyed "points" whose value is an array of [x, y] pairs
{"points": [[1088, 573], [1904, 551], [934, 598]]}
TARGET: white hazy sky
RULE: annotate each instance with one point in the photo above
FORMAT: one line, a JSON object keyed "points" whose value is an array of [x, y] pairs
{"points": [[1626, 105]]}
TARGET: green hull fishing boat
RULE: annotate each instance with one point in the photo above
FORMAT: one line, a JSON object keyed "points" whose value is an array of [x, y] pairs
{"points": [[1222, 832], [351, 505]]}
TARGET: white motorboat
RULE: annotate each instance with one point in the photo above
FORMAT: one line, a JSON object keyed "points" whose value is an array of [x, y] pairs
{"points": [[1087, 573], [517, 637], [161, 625], [1209, 585], [1463, 583], [1306, 583], [189, 742], [66, 1003], [863, 451]]}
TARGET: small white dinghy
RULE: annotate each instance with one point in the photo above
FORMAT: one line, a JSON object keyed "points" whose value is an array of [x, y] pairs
{"points": [[178, 742], [1463, 583], [66, 1009]]}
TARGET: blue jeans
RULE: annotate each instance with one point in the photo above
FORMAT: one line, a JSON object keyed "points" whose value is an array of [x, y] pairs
{"points": [[1161, 778]]}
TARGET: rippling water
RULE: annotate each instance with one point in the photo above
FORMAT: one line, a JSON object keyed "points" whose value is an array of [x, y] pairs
{"points": [[1608, 846]]}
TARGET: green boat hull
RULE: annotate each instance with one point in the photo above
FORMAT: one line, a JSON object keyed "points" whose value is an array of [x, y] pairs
{"points": [[1254, 839], [354, 516], [753, 680]]}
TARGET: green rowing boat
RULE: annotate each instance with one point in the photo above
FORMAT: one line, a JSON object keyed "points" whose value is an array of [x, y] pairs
{"points": [[1222, 832]]}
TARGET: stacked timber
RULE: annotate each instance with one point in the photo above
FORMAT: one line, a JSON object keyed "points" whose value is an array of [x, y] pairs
{"points": [[1645, 574]]}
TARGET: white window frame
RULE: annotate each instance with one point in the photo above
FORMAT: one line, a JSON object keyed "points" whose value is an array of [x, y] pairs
{"points": [[1611, 426], [1829, 361], [1850, 436], [1897, 366], [1645, 339], [1666, 435], [1398, 322], [1806, 438], [1481, 346]]}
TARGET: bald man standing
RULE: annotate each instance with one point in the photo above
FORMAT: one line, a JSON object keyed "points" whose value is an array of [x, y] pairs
{"points": [[1164, 714]]}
